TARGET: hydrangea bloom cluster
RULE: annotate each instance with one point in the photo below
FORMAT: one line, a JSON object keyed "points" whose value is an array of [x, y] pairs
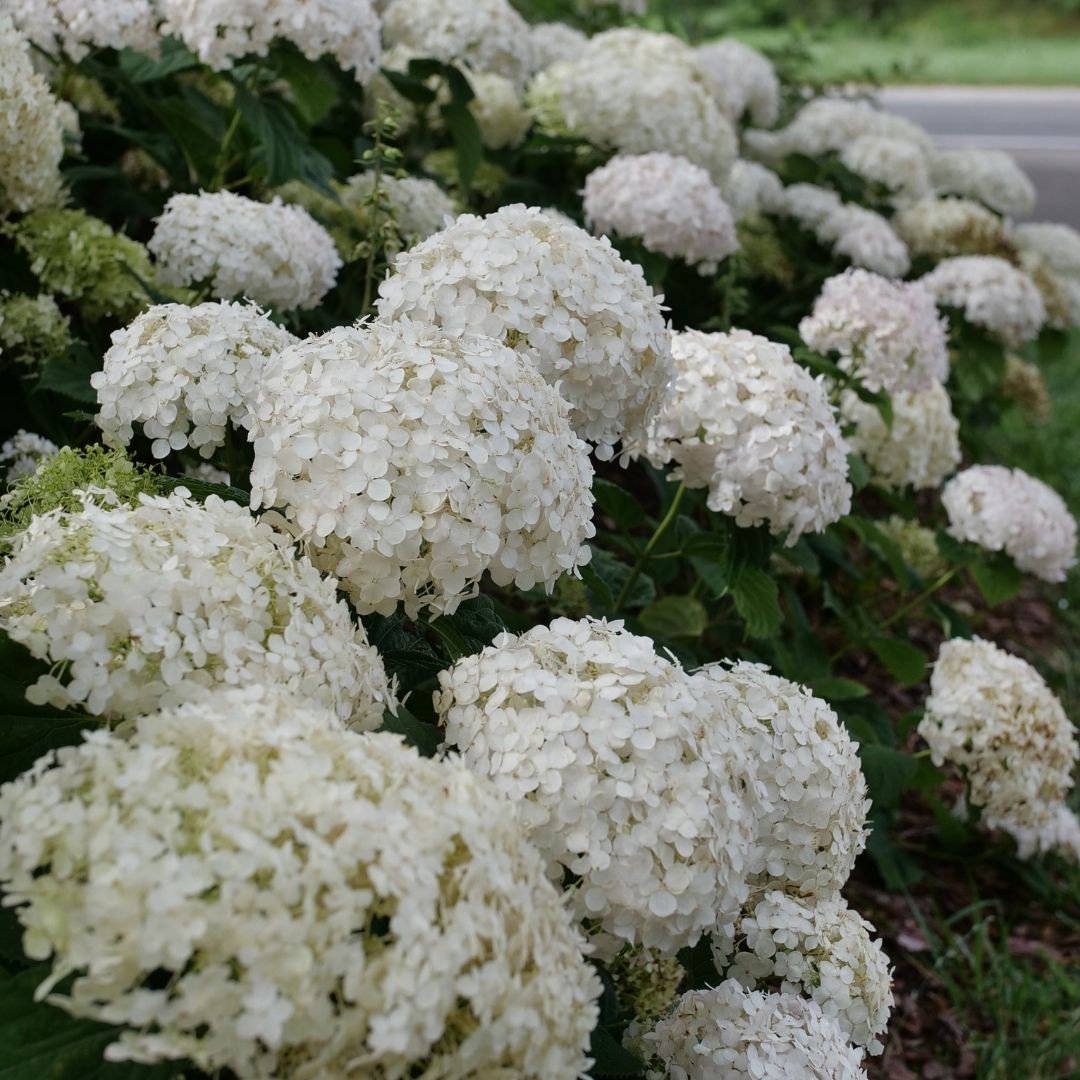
{"points": [[821, 949], [897, 164], [1003, 509], [420, 207], [499, 110], [75, 27], [222, 31], [184, 374], [635, 92], [743, 81], [271, 253], [991, 176], [739, 1034], [622, 774], [1060, 292], [950, 226], [991, 294], [161, 603], [555, 41], [918, 545], [670, 205], [33, 329], [80, 258], [992, 715], [23, 453], [814, 824], [484, 35], [586, 316], [1059, 245], [413, 462], [31, 132], [384, 908], [888, 333], [751, 189], [921, 446], [1051, 255], [755, 428]]}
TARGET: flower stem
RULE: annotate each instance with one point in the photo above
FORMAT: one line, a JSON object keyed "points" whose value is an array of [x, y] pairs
{"points": [[643, 558]]}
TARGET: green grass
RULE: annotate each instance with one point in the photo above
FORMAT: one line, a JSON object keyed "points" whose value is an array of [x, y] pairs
{"points": [[953, 42]]}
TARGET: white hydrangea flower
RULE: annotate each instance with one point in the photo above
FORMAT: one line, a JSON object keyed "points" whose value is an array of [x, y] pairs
{"points": [[1003, 509], [991, 293], [622, 774], [743, 81], [485, 35], [31, 129], [918, 545], [75, 27], [555, 41], [752, 189], [992, 715], [991, 176], [210, 474], [23, 453], [185, 374], [814, 826], [420, 207], [671, 205], [831, 124], [737, 1034], [499, 110], [823, 949], [755, 428], [635, 92], [888, 333], [1060, 292], [1058, 831], [950, 226], [321, 901], [586, 316], [919, 449], [412, 462], [898, 164], [162, 603], [222, 31], [271, 253], [1058, 244]]}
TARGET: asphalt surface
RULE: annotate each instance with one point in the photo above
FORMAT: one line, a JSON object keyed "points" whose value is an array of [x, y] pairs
{"points": [[1039, 127]]}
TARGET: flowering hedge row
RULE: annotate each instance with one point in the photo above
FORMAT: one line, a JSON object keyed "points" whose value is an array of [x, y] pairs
{"points": [[475, 495]]}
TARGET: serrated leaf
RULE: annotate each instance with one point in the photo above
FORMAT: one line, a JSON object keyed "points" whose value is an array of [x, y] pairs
{"points": [[174, 58], [675, 617], [618, 504], [63, 375], [314, 91], [998, 579], [281, 150], [905, 662], [757, 601], [888, 772], [840, 689]]}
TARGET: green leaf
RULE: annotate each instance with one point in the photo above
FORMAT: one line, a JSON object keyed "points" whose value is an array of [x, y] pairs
{"points": [[675, 617], [63, 375], [468, 142], [905, 663], [858, 473], [998, 579], [314, 91], [26, 738], [897, 868], [697, 961], [888, 772], [611, 1057], [618, 504], [201, 490], [174, 58], [840, 689], [281, 150], [712, 557], [425, 737], [604, 576], [756, 600]]}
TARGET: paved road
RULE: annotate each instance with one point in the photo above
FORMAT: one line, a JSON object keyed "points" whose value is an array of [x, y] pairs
{"points": [[1040, 127]]}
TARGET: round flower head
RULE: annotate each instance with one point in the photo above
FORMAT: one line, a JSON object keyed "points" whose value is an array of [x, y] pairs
{"points": [[621, 773], [273, 254], [888, 333], [185, 374], [823, 949], [33, 329], [243, 884], [991, 294], [673, 207], [419, 206], [500, 114], [752, 189], [222, 31], [1060, 292], [736, 1034], [951, 226], [75, 27], [485, 35], [991, 176], [23, 453], [815, 827], [1059, 245], [919, 449], [163, 602], [587, 317], [897, 164], [992, 715], [551, 42], [918, 545], [635, 92], [412, 462], [742, 79], [31, 132], [1006, 510], [756, 429]]}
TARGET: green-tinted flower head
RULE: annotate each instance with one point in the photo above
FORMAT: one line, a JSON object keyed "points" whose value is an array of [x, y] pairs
{"points": [[32, 329]]}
